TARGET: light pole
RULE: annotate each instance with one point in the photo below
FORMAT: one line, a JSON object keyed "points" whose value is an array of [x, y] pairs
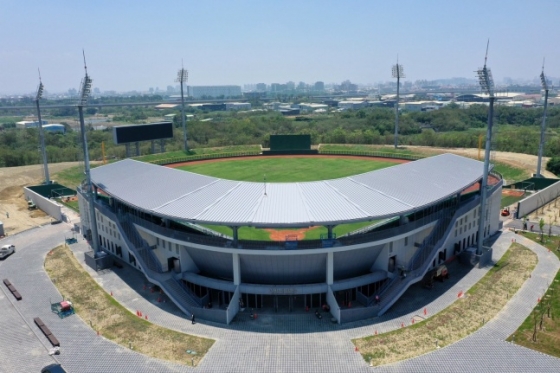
{"points": [[398, 73], [486, 84], [41, 132], [85, 89], [182, 77], [544, 84]]}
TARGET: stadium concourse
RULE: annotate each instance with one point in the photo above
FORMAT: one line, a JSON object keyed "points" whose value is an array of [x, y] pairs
{"points": [[290, 343], [151, 218]]}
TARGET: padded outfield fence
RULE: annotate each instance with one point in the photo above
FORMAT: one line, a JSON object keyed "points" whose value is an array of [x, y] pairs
{"points": [[409, 157], [201, 157]]}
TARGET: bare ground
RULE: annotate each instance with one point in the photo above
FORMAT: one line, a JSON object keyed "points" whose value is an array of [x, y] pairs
{"points": [[13, 206], [525, 161]]}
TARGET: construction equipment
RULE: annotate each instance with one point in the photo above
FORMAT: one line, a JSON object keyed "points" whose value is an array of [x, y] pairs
{"points": [[505, 212]]}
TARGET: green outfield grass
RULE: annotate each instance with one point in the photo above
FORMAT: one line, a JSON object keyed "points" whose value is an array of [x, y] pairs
{"points": [[278, 169], [510, 200], [287, 170]]}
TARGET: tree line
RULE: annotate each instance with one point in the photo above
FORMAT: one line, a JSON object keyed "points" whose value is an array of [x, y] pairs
{"points": [[516, 130]]}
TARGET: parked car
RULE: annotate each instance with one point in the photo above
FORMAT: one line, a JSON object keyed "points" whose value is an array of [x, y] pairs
{"points": [[6, 251], [53, 368]]}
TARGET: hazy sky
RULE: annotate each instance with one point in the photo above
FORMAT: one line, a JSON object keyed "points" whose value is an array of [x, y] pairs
{"points": [[134, 45]]}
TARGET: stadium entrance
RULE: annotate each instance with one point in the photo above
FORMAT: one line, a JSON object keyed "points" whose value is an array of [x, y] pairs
{"points": [[282, 304]]}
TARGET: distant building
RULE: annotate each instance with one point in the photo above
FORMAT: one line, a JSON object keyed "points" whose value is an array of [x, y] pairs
{"points": [[352, 105], [216, 91], [420, 106], [166, 106], [319, 86], [261, 87], [54, 128], [312, 107], [29, 123], [289, 111], [234, 106]]}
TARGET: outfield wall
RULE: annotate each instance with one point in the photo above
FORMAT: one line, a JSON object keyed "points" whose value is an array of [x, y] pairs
{"points": [[537, 200], [49, 206]]}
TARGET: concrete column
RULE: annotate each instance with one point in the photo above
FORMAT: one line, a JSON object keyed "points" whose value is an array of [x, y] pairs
{"points": [[137, 149], [330, 268], [236, 270], [329, 231]]}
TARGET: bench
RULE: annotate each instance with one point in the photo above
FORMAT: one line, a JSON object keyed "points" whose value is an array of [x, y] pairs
{"points": [[47, 332], [12, 289]]}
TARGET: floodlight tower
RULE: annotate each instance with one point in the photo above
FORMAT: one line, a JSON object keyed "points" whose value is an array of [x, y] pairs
{"points": [[544, 84], [182, 77], [85, 89], [41, 132], [398, 73], [487, 85]]}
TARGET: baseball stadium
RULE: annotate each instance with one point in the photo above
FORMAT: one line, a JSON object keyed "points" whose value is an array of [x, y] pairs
{"points": [[416, 216]]}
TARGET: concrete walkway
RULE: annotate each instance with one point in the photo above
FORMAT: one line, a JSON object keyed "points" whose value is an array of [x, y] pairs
{"points": [[280, 343]]}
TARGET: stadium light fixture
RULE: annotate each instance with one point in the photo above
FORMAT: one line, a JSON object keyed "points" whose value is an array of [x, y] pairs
{"points": [[398, 73], [85, 90], [487, 85], [182, 77], [39, 95], [544, 84]]}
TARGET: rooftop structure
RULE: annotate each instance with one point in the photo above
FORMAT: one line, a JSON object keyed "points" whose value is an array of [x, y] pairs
{"points": [[370, 196]]}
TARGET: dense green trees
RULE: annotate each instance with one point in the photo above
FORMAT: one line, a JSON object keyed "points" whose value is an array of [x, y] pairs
{"points": [[516, 130]]}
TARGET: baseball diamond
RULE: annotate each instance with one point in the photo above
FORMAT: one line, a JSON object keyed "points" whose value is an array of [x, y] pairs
{"points": [[426, 213]]}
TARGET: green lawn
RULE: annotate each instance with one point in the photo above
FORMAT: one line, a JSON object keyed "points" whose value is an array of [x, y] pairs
{"points": [[547, 337], [287, 169], [256, 234], [509, 200], [511, 174]]}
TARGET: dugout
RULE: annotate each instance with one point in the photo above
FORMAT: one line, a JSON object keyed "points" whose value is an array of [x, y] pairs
{"points": [[290, 144]]}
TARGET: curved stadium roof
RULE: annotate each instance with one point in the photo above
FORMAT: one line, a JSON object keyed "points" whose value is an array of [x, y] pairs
{"points": [[196, 198]]}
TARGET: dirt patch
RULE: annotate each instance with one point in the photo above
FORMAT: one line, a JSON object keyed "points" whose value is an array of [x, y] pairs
{"points": [[512, 192], [288, 234], [13, 206], [250, 158], [525, 161]]}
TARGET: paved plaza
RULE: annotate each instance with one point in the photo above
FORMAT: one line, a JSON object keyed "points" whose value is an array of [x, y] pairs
{"points": [[278, 343]]}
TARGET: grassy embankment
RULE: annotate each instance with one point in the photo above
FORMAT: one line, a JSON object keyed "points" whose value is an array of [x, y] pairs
{"points": [[115, 322], [482, 302], [548, 310]]}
